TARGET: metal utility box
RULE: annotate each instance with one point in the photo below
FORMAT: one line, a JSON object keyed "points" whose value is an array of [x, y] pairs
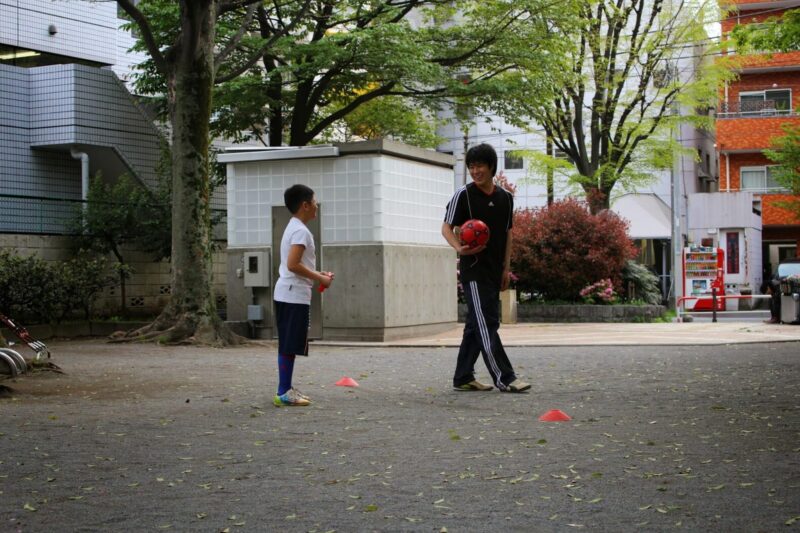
{"points": [[256, 269], [255, 312]]}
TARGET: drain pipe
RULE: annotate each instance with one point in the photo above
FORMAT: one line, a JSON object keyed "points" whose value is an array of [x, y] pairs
{"points": [[84, 157]]}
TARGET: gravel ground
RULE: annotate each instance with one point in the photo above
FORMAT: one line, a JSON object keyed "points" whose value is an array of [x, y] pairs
{"points": [[150, 438]]}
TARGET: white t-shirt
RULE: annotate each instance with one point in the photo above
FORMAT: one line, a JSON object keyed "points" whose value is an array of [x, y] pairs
{"points": [[290, 287]]}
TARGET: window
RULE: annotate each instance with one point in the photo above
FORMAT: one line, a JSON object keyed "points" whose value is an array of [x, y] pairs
{"points": [[772, 102], [513, 161], [758, 178], [732, 259]]}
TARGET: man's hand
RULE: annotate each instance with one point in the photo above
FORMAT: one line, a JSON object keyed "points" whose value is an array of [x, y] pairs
{"points": [[466, 250], [505, 281]]}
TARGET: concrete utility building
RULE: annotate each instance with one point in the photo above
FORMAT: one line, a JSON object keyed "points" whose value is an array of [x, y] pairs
{"points": [[378, 229]]}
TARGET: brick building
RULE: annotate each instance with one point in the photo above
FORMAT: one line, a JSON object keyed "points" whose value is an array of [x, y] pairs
{"points": [[752, 110]]}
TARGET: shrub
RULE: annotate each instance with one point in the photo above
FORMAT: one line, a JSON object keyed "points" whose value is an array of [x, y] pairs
{"points": [[83, 278], [30, 290], [560, 249], [643, 281], [600, 292], [35, 291]]}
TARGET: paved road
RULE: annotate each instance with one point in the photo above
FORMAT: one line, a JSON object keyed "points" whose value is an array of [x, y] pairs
{"points": [[149, 438], [613, 334]]}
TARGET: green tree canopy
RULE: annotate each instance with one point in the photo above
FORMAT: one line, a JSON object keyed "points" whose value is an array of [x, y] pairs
{"points": [[778, 34], [342, 54], [632, 64]]}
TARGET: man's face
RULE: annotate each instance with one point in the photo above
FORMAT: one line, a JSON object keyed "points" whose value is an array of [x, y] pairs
{"points": [[481, 173]]}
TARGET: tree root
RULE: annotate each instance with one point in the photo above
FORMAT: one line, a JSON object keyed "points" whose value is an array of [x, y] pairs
{"points": [[182, 328]]}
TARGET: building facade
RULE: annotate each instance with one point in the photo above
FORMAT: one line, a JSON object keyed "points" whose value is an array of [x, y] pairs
{"points": [[752, 111], [67, 115]]}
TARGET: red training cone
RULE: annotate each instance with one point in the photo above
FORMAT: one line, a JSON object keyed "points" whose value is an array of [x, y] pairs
{"points": [[347, 382], [555, 415]]}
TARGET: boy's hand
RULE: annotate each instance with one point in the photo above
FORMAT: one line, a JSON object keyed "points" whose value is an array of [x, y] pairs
{"points": [[327, 279], [466, 250]]}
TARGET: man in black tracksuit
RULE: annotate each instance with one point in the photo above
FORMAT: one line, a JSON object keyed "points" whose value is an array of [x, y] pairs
{"points": [[485, 272]]}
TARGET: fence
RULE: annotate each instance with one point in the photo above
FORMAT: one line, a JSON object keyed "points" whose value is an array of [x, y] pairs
{"points": [[714, 298], [754, 109], [41, 215]]}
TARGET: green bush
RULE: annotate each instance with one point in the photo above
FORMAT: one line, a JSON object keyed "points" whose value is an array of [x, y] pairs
{"points": [[83, 278], [35, 291], [644, 282], [29, 288]]}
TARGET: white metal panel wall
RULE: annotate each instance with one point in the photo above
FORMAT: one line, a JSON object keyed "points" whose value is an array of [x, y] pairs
{"points": [[85, 30], [722, 210], [367, 198]]}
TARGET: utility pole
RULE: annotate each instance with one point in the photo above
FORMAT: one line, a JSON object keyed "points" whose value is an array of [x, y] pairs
{"points": [[550, 187], [677, 235], [466, 146]]}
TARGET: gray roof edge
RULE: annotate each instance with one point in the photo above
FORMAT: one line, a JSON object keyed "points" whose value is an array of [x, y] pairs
{"points": [[397, 149], [376, 146], [300, 152]]}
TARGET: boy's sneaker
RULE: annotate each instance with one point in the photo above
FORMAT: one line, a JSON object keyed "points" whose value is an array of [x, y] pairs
{"points": [[517, 386], [290, 398], [473, 385], [304, 396]]}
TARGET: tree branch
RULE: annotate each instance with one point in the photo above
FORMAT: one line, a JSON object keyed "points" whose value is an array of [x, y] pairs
{"points": [[236, 39], [159, 58]]}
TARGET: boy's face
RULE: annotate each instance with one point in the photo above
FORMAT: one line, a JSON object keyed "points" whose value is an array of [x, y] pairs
{"points": [[481, 173], [310, 208]]}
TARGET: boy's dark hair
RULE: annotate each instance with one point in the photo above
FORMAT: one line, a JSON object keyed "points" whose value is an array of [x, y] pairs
{"points": [[483, 153], [295, 195]]}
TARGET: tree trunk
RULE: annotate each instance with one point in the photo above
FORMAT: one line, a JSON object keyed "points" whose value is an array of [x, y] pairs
{"points": [[191, 315], [123, 309], [598, 198]]}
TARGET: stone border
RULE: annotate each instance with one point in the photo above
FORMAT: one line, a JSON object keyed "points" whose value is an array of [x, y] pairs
{"points": [[582, 313]]}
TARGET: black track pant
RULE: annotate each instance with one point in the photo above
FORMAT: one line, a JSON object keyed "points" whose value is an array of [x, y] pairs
{"points": [[480, 336]]}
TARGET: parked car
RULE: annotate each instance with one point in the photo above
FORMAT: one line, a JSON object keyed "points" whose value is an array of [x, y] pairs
{"points": [[786, 268]]}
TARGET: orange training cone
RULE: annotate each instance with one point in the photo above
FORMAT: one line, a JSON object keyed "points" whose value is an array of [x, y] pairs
{"points": [[347, 382], [555, 415]]}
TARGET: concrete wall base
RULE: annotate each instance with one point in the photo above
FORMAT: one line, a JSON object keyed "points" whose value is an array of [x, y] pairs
{"points": [[386, 334], [582, 313]]}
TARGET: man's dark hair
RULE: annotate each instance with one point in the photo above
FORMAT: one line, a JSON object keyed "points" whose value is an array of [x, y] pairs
{"points": [[295, 195], [483, 153]]}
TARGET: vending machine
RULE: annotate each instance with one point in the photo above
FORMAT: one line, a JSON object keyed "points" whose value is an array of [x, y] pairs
{"points": [[703, 271]]}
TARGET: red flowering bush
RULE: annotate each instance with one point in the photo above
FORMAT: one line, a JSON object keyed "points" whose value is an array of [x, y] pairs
{"points": [[561, 249]]}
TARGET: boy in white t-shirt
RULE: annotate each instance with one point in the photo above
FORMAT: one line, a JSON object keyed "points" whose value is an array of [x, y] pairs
{"points": [[293, 290]]}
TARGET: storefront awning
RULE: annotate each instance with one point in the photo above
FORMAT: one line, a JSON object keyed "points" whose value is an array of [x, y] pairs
{"points": [[648, 215]]}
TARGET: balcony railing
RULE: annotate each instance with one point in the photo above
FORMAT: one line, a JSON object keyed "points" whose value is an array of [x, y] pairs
{"points": [[755, 109], [37, 215]]}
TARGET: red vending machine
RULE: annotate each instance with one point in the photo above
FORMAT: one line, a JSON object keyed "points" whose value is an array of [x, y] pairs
{"points": [[703, 270]]}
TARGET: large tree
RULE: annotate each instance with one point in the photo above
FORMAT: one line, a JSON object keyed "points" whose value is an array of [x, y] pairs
{"points": [[344, 55], [187, 64], [633, 63]]}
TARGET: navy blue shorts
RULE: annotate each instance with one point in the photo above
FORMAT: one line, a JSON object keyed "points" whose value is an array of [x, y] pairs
{"points": [[293, 321]]}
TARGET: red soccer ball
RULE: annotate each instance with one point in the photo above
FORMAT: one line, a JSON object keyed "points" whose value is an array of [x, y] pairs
{"points": [[474, 233]]}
